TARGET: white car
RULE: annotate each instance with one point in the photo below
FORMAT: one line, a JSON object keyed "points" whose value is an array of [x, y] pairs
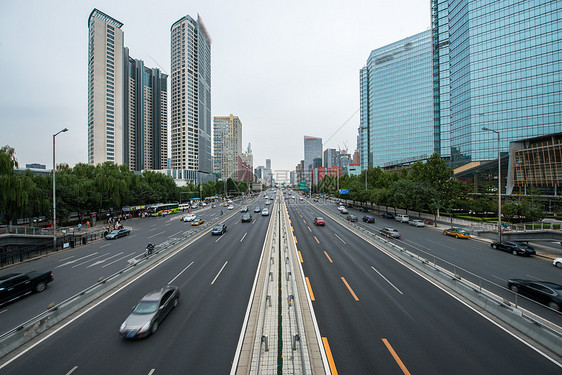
{"points": [[340, 208], [402, 218], [417, 223], [265, 212], [231, 207], [557, 262], [189, 217]]}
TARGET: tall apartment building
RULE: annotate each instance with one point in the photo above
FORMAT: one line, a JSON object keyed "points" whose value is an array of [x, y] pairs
{"points": [[227, 133], [105, 88], [190, 96], [496, 64], [146, 116]]}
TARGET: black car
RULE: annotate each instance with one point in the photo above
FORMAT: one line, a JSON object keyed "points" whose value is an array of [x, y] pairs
{"points": [[117, 233], [545, 292], [368, 219], [218, 229], [246, 218], [387, 215], [515, 248]]}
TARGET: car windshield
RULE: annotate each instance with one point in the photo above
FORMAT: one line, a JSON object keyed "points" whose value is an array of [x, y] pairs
{"points": [[218, 227], [115, 231], [319, 219], [146, 307], [553, 286]]}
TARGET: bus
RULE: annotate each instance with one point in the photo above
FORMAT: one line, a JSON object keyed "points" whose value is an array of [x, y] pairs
{"points": [[163, 209]]}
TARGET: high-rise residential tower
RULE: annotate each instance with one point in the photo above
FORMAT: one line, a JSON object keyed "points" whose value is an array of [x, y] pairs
{"points": [[227, 141], [190, 96], [146, 116], [105, 88]]}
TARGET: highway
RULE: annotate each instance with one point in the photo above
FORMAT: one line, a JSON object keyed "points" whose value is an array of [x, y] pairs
{"points": [[377, 316], [215, 275]]}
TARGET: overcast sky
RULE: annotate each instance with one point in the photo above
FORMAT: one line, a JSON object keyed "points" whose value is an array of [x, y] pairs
{"points": [[286, 68]]}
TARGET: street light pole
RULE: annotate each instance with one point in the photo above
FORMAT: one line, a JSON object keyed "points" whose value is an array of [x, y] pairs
{"points": [[54, 193], [499, 184]]}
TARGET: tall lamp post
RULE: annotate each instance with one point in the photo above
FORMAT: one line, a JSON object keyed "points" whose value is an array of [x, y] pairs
{"points": [[54, 192], [499, 184]]}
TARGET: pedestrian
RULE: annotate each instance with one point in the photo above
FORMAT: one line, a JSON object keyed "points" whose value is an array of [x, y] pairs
{"points": [[88, 224], [79, 226]]}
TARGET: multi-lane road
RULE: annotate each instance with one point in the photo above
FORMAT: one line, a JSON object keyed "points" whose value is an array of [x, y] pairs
{"points": [[374, 314]]}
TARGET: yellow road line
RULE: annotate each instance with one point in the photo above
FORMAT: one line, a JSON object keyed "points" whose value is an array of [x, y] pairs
{"points": [[310, 289], [330, 357], [295, 237], [304, 221], [300, 256], [396, 358], [309, 228], [350, 290], [316, 239], [327, 256], [292, 230]]}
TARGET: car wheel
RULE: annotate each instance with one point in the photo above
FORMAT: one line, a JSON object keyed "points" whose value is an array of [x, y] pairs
{"points": [[444, 233], [559, 264], [176, 302], [40, 286], [554, 306], [514, 288], [494, 247], [456, 236], [514, 252], [154, 327]]}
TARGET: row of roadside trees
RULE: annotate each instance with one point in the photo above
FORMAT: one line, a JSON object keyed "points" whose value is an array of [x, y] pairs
{"points": [[86, 188]]}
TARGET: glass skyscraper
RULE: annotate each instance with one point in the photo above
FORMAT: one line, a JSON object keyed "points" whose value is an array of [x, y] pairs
{"points": [[501, 61], [397, 103]]}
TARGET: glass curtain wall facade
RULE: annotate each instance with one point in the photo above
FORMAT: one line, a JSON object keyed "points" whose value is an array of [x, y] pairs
{"points": [[504, 72], [312, 150], [397, 113], [363, 137], [190, 96]]}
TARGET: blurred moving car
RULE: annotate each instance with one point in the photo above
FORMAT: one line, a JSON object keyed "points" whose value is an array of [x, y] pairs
{"points": [[218, 229], [341, 208], [246, 218], [198, 221], [557, 262], [117, 233], [428, 222], [416, 223], [319, 221], [545, 292], [352, 218], [149, 312], [368, 219], [456, 232], [387, 215], [515, 248], [265, 212], [390, 232], [189, 217]]}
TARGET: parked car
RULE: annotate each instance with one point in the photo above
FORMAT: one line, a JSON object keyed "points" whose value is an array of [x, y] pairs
{"points": [[344, 211], [150, 312], [387, 215], [188, 218], [545, 292], [117, 233], [247, 218], [416, 223], [557, 262], [318, 221], [456, 232], [197, 221], [368, 219], [352, 218], [515, 248], [390, 232], [402, 218], [16, 285], [265, 212], [218, 229]]}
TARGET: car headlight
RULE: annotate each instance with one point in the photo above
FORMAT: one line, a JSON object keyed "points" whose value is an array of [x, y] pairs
{"points": [[123, 326], [145, 327]]}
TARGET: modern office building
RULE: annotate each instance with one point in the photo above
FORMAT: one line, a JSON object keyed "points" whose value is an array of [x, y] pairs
{"points": [[312, 150], [227, 140], [145, 125], [396, 103], [495, 65], [190, 96], [105, 88], [331, 157]]}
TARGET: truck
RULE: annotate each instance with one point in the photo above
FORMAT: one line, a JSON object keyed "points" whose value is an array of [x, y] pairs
{"points": [[16, 285]]}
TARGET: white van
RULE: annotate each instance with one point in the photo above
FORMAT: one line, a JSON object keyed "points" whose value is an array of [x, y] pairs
{"points": [[402, 218]]}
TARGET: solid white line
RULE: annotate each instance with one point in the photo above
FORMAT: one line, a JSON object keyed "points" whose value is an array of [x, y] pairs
{"points": [[215, 279], [386, 280], [218, 239], [105, 245], [3, 311], [72, 370], [244, 236], [157, 234], [178, 275], [340, 239], [117, 260]]}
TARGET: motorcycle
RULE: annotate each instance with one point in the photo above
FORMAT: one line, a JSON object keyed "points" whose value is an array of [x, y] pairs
{"points": [[149, 250]]}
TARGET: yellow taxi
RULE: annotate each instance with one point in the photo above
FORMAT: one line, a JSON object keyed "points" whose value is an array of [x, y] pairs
{"points": [[197, 221], [456, 232]]}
